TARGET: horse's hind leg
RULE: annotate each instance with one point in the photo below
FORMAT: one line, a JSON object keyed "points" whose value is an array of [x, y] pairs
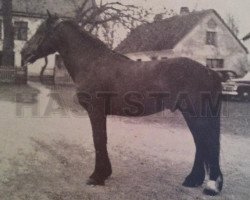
{"points": [[197, 175], [206, 133], [102, 163], [212, 156]]}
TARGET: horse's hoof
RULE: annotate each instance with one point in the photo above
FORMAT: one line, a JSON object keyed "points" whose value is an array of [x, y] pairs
{"points": [[210, 192], [92, 181], [192, 182], [213, 187]]}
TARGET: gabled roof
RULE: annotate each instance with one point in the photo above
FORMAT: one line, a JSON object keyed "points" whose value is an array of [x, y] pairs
{"points": [[38, 8], [164, 34]]}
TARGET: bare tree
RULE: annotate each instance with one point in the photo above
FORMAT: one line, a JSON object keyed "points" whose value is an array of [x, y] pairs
{"points": [[8, 42], [232, 24], [105, 18], [98, 15]]}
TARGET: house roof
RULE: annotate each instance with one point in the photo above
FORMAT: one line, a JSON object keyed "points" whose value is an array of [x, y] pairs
{"points": [[164, 34], [38, 8]]}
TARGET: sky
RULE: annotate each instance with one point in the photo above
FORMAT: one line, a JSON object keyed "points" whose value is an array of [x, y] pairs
{"points": [[239, 9]]}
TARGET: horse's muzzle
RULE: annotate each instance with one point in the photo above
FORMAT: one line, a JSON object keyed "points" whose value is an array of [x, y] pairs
{"points": [[28, 58]]}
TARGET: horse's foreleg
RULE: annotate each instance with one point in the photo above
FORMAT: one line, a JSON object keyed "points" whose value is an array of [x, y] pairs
{"points": [[102, 163]]}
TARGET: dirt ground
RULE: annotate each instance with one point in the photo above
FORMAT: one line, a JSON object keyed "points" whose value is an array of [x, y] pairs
{"points": [[46, 151]]}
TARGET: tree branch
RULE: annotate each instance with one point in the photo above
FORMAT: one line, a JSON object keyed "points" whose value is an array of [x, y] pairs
{"points": [[112, 15]]}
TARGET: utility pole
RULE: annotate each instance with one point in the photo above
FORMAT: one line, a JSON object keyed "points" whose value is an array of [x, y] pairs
{"points": [[8, 41]]}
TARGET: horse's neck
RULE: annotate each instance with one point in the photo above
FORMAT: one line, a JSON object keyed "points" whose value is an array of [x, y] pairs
{"points": [[77, 53]]}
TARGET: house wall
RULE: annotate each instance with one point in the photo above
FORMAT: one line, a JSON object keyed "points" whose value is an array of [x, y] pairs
{"points": [[247, 44], [147, 56], [33, 23], [194, 46]]}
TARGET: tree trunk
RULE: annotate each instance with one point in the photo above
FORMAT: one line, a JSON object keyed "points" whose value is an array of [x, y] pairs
{"points": [[43, 69], [8, 42]]}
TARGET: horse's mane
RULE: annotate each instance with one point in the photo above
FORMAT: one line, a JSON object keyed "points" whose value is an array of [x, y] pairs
{"points": [[94, 40], [85, 34]]}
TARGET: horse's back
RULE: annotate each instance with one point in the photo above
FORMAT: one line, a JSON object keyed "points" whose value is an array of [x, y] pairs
{"points": [[172, 74], [192, 73]]}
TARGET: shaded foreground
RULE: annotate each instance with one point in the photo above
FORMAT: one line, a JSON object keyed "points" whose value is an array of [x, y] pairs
{"points": [[44, 158]]}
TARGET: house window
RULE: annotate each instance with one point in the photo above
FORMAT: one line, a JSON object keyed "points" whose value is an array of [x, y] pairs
{"points": [[164, 58], [139, 60], [215, 63], [211, 38], [21, 30], [154, 58]]}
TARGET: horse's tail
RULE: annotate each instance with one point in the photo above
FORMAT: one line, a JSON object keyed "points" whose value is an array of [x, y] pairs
{"points": [[221, 78], [218, 84]]}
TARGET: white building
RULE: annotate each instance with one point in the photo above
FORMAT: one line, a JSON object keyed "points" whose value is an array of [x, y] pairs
{"points": [[200, 35], [27, 16]]}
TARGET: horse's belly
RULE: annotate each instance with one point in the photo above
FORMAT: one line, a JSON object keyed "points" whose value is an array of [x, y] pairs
{"points": [[137, 107]]}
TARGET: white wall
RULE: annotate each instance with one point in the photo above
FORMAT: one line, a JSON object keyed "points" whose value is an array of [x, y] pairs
{"points": [[146, 56], [247, 44]]}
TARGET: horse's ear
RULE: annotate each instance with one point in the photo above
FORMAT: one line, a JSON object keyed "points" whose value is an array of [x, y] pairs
{"points": [[49, 15]]}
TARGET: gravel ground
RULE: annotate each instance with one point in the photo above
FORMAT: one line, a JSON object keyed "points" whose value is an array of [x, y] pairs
{"points": [[46, 151]]}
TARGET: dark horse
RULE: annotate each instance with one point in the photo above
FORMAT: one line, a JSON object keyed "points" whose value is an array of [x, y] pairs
{"points": [[109, 83]]}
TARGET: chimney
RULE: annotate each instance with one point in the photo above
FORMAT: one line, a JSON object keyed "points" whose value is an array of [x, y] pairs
{"points": [[184, 11]]}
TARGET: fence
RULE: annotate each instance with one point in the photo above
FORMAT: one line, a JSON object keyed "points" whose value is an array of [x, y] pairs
{"points": [[19, 75], [48, 76], [16, 75]]}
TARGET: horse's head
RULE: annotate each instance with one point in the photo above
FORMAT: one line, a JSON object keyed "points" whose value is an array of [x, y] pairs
{"points": [[42, 43]]}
